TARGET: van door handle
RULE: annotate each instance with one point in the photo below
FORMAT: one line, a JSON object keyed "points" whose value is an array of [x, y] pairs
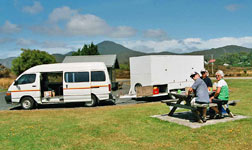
{"points": [[33, 85]]}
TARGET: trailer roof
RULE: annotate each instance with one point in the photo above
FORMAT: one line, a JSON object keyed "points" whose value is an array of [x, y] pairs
{"points": [[109, 60], [168, 56]]}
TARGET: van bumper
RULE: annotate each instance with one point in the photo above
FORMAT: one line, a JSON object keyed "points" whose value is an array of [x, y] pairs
{"points": [[8, 99]]}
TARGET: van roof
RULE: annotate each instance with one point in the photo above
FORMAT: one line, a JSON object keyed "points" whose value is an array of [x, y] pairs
{"points": [[59, 67]]}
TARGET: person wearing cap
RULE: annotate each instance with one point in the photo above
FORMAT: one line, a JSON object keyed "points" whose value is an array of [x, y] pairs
{"points": [[221, 95], [202, 97], [205, 78]]}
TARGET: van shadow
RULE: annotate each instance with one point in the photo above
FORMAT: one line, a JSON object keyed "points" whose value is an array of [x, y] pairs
{"points": [[66, 105], [153, 99]]}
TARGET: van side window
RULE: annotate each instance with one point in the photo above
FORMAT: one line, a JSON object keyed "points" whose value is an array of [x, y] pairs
{"points": [[98, 76], [26, 79], [77, 76]]}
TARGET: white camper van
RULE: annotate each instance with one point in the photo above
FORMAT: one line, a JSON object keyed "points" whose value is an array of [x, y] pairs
{"points": [[61, 83], [157, 75]]}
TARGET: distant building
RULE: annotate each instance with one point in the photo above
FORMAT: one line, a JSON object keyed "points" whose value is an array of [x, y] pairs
{"points": [[109, 60]]}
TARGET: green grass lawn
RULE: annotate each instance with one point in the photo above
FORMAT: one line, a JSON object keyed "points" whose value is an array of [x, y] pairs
{"points": [[124, 127]]}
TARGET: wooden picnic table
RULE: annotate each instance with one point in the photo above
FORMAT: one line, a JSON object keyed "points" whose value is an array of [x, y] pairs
{"points": [[180, 97]]}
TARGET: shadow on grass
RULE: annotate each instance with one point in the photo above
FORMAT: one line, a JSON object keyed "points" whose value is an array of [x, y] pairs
{"points": [[66, 105], [102, 103], [152, 99], [188, 115]]}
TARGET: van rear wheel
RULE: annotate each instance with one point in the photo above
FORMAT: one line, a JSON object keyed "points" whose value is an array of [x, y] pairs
{"points": [[93, 102], [27, 103]]}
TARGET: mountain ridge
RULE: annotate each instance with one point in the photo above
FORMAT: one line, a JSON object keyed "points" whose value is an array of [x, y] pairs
{"points": [[123, 53]]}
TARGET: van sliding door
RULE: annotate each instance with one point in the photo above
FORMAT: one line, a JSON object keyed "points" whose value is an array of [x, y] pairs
{"points": [[76, 86], [99, 84]]}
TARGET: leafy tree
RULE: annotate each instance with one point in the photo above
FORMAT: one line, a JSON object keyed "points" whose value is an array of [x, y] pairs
{"points": [[233, 58], [4, 72], [87, 50], [30, 58], [241, 59], [250, 58]]}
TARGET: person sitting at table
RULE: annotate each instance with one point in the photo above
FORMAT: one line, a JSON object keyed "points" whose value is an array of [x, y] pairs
{"points": [[221, 95], [202, 97], [205, 78]]}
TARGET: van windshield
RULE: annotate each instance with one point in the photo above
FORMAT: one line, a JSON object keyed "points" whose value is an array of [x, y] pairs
{"points": [[26, 79]]}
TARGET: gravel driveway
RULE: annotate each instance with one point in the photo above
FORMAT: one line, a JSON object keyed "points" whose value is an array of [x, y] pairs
{"points": [[3, 105]]}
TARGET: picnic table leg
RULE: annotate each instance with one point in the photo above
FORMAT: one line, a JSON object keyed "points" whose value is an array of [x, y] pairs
{"points": [[228, 111], [174, 107], [196, 113]]}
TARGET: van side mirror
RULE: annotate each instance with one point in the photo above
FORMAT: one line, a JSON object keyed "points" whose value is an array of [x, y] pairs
{"points": [[15, 82]]}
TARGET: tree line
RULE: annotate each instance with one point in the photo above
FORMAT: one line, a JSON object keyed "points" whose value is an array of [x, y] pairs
{"points": [[241, 59], [30, 58]]}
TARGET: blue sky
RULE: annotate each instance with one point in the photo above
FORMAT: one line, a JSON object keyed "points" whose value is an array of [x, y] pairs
{"points": [[60, 26]]}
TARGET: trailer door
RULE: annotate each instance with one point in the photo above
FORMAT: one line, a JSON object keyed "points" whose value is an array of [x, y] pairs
{"points": [[76, 86]]}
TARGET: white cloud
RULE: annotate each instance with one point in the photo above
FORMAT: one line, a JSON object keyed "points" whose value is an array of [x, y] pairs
{"points": [[89, 25], [58, 47], [26, 42], [9, 28], [6, 40], [53, 44], [10, 53], [233, 7], [48, 29], [34, 9], [187, 45], [42, 44], [63, 13], [155, 34], [67, 21], [122, 31]]}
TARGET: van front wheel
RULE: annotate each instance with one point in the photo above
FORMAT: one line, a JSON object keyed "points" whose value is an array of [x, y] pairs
{"points": [[27, 103], [92, 103]]}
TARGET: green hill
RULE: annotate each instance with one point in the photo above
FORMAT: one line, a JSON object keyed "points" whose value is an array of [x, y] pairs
{"points": [[7, 62], [217, 52], [123, 53], [60, 57]]}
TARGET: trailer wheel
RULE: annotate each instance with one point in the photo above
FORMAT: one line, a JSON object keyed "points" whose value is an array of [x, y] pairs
{"points": [[93, 101], [138, 85], [27, 103]]}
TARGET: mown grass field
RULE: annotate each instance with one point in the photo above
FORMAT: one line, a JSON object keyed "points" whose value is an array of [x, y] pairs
{"points": [[124, 127]]}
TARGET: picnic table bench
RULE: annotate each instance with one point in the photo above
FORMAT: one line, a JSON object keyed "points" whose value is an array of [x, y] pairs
{"points": [[180, 97]]}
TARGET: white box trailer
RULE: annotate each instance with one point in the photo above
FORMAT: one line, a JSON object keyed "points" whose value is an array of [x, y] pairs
{"points": [[163, 73]]}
